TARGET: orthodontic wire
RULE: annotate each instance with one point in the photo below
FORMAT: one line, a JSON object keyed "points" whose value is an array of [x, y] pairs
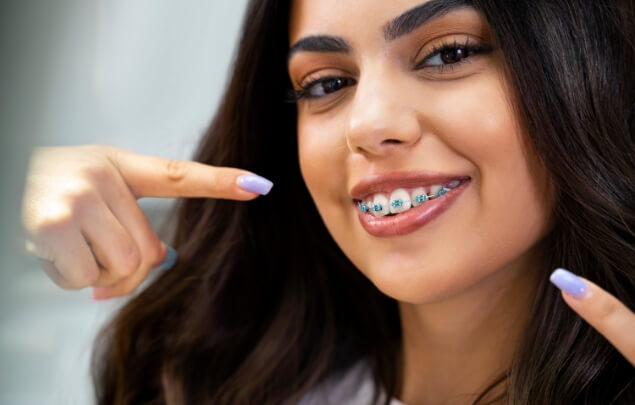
{"points": [[399, 203]]}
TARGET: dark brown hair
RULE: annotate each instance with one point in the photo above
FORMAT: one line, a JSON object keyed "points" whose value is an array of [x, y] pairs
{"points": [[262, 305]]}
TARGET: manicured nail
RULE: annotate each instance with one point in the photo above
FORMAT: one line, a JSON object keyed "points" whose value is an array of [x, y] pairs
{"points": [[568, 282], [254, 183], [170, 258]]}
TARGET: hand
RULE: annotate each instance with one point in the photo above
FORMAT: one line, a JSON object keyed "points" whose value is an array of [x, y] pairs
{"points": [[82, 219], [600, 309]]}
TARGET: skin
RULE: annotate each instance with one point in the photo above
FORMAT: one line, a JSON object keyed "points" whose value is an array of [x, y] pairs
{"points": [[82, 220], [464, 281], [463, 295]]}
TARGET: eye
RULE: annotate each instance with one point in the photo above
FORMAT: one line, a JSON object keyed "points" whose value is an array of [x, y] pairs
{"points": [[447, 57], [448, 54], [322, 87]]}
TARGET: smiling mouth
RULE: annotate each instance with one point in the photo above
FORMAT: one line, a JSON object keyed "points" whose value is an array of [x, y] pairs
{"points": [[395, 214], [403, 199]]}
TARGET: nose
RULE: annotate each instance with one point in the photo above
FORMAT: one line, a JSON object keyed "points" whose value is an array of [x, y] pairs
{"points": [[380, 120]]}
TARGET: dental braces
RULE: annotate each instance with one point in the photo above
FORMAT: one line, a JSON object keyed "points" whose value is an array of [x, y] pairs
{"points": [[421, 198]]}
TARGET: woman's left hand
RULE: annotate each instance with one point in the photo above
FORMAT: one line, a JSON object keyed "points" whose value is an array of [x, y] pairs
{"points": [[603, 311]]}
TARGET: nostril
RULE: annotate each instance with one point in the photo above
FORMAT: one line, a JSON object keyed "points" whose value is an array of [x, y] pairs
{"points": [[391, 141]]}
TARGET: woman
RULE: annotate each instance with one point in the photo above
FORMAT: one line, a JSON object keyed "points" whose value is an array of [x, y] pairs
{"points": [[451, 155]]}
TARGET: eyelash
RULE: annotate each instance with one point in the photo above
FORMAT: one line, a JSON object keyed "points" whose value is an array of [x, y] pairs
{"points": [[468, 47], [305, 91]]}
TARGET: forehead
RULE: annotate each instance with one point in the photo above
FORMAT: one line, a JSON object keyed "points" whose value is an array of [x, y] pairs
{"points": [[361, 18], [342, 16]]}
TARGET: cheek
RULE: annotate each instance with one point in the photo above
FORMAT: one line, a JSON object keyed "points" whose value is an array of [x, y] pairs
{"points": [[512, 195], [322, 154], [479, 124], [484, 130]]}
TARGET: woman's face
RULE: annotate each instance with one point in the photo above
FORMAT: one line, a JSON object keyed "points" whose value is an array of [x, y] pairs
{"points": [[400, 99]]}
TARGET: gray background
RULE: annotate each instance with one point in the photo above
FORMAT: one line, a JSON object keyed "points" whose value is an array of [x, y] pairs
{"points": [[145, 75]]}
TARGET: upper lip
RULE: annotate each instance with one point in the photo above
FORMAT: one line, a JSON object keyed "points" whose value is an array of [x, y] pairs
{"points": [[387, 182]]}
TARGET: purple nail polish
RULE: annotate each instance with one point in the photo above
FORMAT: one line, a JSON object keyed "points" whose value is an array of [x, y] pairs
{"points": [[568, 282], [255, 183]]}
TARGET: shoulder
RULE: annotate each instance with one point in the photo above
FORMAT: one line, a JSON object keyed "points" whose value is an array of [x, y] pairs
{"points": [[353, 386]]}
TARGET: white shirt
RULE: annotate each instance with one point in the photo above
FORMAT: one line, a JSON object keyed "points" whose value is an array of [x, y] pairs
{"points": [[352, 387]]}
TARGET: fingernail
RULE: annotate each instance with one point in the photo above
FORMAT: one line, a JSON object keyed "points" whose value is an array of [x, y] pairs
{"points": [[254, 183], [170, 258], [568, 282]]}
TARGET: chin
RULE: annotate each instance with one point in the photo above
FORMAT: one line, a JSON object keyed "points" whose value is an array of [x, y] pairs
{"points": [[424, 280], [424, 283]]}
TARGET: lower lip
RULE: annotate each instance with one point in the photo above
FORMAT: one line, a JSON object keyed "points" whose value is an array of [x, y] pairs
{"points": [[411, 220]]}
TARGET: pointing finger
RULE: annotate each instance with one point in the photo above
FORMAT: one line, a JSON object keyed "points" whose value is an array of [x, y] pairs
{"points": [[151, 176], [600, 309]]}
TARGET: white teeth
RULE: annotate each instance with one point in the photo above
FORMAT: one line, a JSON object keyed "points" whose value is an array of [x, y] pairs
{"points": [[399, 201], [368, 203], [380, 205], [402, 199], [414, 194], [435, 189]]}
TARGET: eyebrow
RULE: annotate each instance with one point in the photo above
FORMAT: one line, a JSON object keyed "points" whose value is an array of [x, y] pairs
{"points": [[416, 17], [398, 27], [319, 43]]}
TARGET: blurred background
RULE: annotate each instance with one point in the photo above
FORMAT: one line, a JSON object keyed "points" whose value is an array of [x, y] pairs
{"points": [[145, 75]]}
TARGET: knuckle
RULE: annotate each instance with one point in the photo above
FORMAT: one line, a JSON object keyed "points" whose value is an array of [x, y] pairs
{"points": [[92, 172], [130, 260], [53, 220], [176, 170], [56, 209], [78, 193], [86, 278], [49, 215]]}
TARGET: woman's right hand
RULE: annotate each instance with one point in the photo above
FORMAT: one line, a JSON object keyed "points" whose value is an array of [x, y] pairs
{"points": [[82, 219]]}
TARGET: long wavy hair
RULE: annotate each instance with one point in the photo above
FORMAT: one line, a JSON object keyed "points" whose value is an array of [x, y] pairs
{"points": [[262, 305]]}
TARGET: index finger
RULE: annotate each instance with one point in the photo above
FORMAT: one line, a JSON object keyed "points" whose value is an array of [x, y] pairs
{"points": [[152, 176], [604, 312]]}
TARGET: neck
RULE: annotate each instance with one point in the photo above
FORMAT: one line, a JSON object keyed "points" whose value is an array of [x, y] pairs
{"points": [[455, 348]]}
